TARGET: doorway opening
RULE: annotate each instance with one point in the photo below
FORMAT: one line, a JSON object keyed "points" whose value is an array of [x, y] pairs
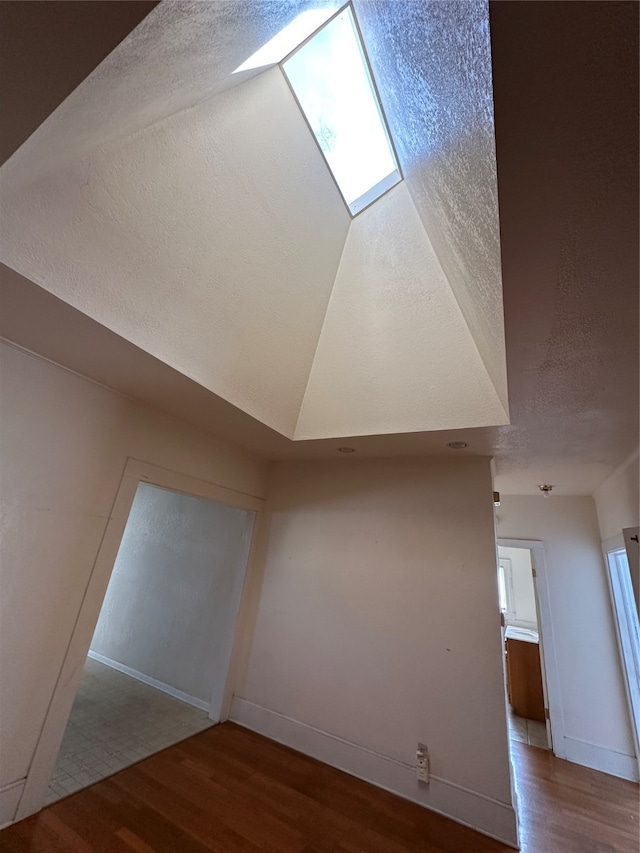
{"points": [[157, 664], [527, 644], [622, 563]]}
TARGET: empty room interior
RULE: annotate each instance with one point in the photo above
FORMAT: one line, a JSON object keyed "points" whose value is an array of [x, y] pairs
{"points": [[319, 426]]}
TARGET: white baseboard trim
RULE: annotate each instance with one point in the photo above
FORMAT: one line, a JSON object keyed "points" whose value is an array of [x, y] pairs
{"points": [[9, 799], [599, 758], [484, 814], [152, 682]]}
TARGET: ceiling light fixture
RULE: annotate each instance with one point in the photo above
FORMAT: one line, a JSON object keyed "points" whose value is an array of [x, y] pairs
{"points": [[457, 445], [346, 450], [546, 490]]}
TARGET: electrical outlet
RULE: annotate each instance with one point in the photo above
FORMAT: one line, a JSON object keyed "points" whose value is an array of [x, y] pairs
{"points": [[422, 763]]}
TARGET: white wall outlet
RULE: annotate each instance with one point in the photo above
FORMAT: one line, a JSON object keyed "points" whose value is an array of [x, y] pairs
{"points": [[422, 763]]}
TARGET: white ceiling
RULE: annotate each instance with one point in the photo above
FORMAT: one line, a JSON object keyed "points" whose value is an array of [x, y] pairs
{"points": [[395, 352], [212, 239], [181, 54], [565, 89], [202, 248], [432, 62]]}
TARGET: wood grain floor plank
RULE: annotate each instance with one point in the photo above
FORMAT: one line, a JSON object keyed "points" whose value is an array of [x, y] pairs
{"points": [[228, 790]]}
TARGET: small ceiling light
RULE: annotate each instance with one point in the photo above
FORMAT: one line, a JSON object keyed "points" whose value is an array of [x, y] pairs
{"points": [[546, 490], [346, 450], [457, 445]]}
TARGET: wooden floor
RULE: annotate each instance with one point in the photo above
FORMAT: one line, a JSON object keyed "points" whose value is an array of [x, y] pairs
{"points": [[230, 790]]}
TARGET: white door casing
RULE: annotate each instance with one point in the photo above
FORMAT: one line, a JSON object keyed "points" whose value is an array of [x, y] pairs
{"points": [[70, 674], [548, 661]]}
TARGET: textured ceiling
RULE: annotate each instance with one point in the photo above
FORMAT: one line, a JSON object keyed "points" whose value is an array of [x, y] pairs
{"points": [[566, 106], [211, 237], [566, 92], [181, 54], [202, 248], [395, 350], [47, 49], [432, 62]]}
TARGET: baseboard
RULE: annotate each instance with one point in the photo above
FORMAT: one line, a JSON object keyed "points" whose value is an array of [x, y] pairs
{"points": [[599, 758], [484, 814], [9, 799], [152, 682]]}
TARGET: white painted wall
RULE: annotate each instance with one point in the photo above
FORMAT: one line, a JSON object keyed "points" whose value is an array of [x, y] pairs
{"points": [[170, 608], [439, 104], [596, 719], [524, 596], [379, 625], [63, 447], [395, 345], [211, 240], [617, 501], [189, 210]]}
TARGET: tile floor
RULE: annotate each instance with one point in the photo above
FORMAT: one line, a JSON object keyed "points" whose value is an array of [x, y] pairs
{"points": [[528, 731], [116, 721]]}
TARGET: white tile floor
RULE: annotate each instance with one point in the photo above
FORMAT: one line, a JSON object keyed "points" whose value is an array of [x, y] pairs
{"points": [[116, 721], [528, 731]]}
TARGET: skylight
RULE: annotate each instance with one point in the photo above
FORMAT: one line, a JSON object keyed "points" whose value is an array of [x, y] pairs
{"points": [[330, 78], [286, 40]]}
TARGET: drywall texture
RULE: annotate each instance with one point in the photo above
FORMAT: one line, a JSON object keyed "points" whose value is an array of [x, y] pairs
{"points": [[593, 698], [209, 232], [524, 597], [378, 620], [367, 377], [566, 115], [174, 593], [38, 69], [63, 445], [617, 501], [181, 54], [202, 247], [439, 105]]}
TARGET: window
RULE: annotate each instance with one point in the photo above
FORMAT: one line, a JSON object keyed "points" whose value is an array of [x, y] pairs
{"points": [[628, 631], [331, 80], [286, 40], [505, 589]]}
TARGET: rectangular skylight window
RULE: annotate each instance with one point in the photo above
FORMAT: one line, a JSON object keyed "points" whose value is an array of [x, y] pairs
{"points": [[330, 78]]}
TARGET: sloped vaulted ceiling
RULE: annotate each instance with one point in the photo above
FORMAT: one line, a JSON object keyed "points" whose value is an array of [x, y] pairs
{"points": [[190, 211]]}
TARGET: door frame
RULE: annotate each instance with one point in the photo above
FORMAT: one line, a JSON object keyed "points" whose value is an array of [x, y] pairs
{"points": [[624, 631], [546, 645], [70, 674]]}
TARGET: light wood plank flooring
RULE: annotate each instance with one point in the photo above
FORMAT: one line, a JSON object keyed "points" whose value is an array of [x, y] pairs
{"points": [[228, 789]]}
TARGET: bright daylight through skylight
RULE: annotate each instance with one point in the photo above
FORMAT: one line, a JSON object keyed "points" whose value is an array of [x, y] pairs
{"points": [[332, 83]]}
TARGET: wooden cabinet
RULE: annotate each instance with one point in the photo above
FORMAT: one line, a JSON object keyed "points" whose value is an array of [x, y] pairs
{"points": [[524, 679]]}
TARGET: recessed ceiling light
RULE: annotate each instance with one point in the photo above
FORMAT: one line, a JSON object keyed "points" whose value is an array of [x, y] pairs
{"points": [[457, 445], [346, 450]]}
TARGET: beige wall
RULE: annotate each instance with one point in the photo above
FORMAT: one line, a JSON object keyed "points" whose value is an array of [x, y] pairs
{"points": [[64, 444], [170, 608], [596, 720], [617, 499], [378, 626]]}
